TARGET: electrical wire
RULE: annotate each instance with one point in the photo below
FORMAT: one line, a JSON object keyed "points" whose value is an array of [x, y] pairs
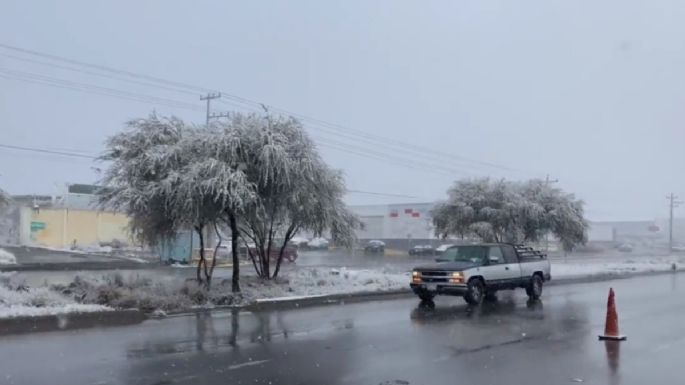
{"points": [[241, 101]]}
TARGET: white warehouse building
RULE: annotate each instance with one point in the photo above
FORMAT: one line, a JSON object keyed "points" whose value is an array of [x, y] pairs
{"points": [[396, 221]]}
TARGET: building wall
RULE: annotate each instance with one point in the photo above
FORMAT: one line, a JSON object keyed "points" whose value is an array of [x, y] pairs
{"points": [[395, 221], [63, 227]]}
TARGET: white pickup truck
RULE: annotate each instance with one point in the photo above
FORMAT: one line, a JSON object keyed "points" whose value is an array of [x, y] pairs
{"points": [[479, 271]]}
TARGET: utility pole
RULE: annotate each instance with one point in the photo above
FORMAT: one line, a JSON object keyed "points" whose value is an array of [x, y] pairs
{"points": [[673, 202], [208, 98], [209, 235], [547, 182]]}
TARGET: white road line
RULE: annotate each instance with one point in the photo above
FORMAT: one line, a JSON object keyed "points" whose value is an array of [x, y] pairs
{"points": [[248, 363]]}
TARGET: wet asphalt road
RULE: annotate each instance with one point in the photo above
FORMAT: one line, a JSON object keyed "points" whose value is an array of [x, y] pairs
{"points": [[383, 342]]}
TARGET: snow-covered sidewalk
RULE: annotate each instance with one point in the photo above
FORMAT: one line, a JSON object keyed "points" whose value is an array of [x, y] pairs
{"points": [[157, 290]]}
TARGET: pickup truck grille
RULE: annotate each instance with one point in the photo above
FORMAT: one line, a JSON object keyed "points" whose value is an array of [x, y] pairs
{"points": [[435, 276], [434, 273]]}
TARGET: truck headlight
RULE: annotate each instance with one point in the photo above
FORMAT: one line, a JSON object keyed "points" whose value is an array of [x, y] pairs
{"points": [[457, 277], [415, 277]]}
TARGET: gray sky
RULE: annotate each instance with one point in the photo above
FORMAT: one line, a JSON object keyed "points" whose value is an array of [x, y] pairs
{"points": [[592, 93]]}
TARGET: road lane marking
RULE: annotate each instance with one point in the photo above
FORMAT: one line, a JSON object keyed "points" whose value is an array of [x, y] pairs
{"points": [[248, 363]]}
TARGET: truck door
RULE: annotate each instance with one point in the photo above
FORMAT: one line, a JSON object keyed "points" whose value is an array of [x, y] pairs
{"points": [[513, 265], [498, 272]]}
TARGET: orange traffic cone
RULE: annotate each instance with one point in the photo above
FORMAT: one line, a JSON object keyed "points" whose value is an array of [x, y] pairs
{"points": [[611, 326]]}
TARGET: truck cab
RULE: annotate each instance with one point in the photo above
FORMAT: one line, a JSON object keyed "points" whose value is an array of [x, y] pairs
{"points": [[479, 271]]}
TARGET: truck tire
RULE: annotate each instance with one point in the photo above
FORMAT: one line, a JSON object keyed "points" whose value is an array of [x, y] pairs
{"points": [[534, 287], [475, 291]]}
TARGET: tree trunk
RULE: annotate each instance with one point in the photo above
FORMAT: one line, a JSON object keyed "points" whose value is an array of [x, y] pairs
{"points": [[288, 234], [216, 252], [202, 254], [280, 258], [235, 284]]}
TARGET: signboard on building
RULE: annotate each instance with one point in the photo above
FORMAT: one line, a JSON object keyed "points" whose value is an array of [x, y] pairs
{"points": [[35, 226]]}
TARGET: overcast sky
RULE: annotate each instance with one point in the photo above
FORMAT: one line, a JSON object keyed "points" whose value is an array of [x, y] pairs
{"points": [[590, 92]]}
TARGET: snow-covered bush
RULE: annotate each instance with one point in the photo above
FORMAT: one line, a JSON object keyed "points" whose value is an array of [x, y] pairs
{"points": [[17, 299]]}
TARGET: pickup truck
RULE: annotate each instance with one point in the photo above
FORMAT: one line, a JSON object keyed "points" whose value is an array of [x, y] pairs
{"points": [[479, 271]]}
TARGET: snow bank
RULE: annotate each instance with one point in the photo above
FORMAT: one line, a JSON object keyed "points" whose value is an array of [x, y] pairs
{"points": [[7, 258]]}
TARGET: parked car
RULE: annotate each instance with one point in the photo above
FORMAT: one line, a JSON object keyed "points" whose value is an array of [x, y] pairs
{"points": [[479, 271], [318, 244], [299, 241], [422, 250], [625, 248], [289, 253], [375, 246], [441, 249]]}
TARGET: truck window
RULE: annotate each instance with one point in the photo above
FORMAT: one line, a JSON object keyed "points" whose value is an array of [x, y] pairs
{"points": [[509, 254], [496, 252]]}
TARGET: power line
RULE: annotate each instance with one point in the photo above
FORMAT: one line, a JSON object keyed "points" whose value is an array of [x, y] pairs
{"points": [[383, 194], [424, 151], [89, 88], [392, 158], [45, 151], [105, 68], [92, 157], [102, 75]]}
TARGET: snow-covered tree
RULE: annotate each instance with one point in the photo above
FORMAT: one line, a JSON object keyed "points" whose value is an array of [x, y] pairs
{"points": [[165, 175], [295, 189], [504, 211], [215, 184]]}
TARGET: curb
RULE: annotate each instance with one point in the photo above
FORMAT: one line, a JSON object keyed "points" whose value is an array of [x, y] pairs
{"points": [[329, 299], [75, 266], [68, 321]]}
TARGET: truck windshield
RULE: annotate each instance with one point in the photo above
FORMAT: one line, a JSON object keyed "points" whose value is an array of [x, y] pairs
{"points": [[475, 254]]}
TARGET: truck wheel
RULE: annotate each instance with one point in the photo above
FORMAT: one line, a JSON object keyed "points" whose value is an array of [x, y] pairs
{"points": [[427, 297], [534, 288], [475, 291]]}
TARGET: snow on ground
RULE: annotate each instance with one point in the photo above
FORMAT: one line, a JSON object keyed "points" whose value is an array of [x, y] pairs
{"points": [[613, 267], [17, 300], [325, 281], [7, 258]]}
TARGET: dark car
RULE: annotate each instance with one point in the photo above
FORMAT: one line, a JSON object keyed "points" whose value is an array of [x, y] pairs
{"points": [[375, 246], [289, 253], [422, 250]]}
